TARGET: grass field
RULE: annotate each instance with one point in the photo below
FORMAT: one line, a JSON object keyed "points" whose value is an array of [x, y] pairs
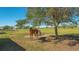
{"points": [[19, 37]]}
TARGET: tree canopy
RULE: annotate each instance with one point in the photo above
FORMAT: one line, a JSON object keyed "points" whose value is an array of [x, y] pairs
{"points": [[52, 16]]}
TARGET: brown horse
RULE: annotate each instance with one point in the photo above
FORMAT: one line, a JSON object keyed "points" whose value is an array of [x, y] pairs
{"points": [[34, 32]]}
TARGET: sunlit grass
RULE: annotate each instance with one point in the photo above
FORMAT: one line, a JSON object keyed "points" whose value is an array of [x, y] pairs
{"points": [[61, 31]]}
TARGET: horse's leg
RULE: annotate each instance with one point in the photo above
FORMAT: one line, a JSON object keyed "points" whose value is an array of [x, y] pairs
{"points": [[40, 33], [36, 35], [31, 35]]}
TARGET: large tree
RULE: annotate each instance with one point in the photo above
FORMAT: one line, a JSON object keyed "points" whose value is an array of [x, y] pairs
{"points": [[58, 15], [51, 16]]}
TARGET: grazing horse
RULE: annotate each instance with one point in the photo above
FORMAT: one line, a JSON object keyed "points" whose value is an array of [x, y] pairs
{"points": [[34, 32]]}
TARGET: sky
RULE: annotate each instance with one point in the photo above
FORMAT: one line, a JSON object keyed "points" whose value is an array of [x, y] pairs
{"points": [[9, 15]]}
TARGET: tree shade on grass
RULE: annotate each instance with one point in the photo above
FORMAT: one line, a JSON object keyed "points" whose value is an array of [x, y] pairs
{"points": [[7, 44]]}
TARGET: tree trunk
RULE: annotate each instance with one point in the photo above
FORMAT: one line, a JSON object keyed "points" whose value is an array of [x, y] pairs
{"points": [[56, 32]]}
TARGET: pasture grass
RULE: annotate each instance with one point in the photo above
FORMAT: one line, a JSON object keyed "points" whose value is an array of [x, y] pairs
{"points": [[30, 45], [61, 31]]}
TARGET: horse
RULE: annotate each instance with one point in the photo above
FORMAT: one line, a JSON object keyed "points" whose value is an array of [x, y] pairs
{"points": [[34, 32]]}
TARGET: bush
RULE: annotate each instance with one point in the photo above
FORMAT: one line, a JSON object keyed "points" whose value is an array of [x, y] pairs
{"points": [[7, 28]]}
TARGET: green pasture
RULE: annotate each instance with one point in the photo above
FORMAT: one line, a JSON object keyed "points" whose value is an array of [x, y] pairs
{"points": [[61, 31], [18, 37]]}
